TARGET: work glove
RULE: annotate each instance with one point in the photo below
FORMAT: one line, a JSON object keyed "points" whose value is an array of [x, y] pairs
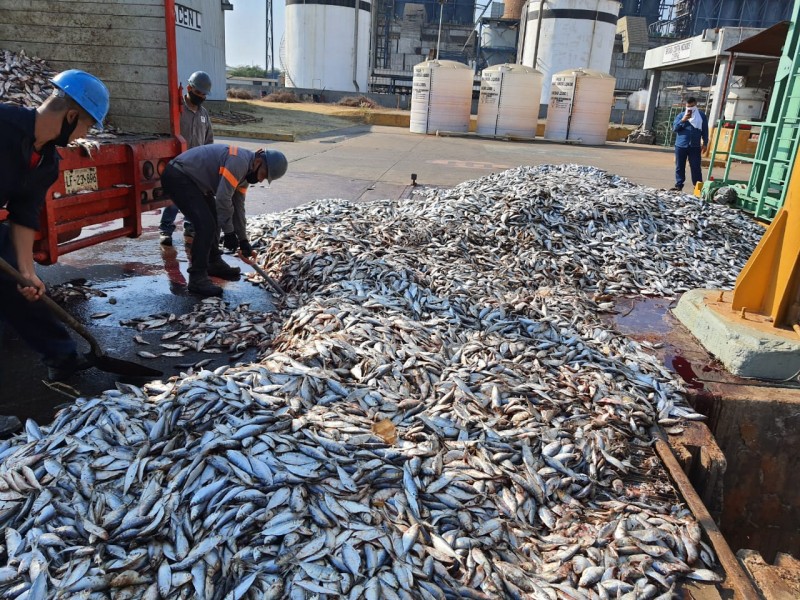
{"points": [[230, 241], [246, 248]]}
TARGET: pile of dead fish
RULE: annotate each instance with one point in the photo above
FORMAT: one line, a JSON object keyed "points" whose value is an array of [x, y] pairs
{"points": [[211, 327], [441, 415], [75, 290], [24, 81]]}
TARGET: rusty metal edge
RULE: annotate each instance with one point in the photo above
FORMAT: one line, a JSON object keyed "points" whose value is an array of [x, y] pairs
{"points": [[734, 572]]}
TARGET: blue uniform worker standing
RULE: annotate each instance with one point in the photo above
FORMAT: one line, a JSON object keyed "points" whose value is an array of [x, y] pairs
{"points": [[208, 184], [196, 130], [691, 138], [28, 167]]}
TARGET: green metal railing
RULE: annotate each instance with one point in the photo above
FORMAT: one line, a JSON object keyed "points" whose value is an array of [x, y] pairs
{"points": [[764, 192]]}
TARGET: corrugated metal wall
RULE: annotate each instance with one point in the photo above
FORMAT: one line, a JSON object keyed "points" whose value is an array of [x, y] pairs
{"points": [[121, 42], [201, 49]]}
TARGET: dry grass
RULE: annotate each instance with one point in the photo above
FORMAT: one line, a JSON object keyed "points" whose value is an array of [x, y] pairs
{"points": [[358, 102], [282, 97], [240, 94]]}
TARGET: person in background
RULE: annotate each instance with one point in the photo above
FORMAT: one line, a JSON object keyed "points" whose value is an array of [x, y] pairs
{"points": [[29, 159], [196, 130], [208, 183], [691, 138]]}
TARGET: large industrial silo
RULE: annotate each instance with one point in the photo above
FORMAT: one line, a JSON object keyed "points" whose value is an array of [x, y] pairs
{"points": [[567, 34], [327, 45]]}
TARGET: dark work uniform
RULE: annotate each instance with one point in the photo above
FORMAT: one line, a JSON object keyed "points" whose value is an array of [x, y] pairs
{"points": [[22, 192], [688, 146]]}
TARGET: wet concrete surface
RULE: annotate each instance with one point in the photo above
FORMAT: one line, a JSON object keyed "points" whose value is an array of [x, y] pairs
{"points": [[359, 164], [651, 320]]}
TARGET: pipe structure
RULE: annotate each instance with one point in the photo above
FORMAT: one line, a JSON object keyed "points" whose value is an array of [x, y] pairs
{"points": [[439, 37], [538, 34], [355, 45]]}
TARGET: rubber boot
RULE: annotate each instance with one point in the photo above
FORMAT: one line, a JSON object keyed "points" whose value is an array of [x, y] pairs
{"points": [[219, 268], [9, 425], [203, 286]]}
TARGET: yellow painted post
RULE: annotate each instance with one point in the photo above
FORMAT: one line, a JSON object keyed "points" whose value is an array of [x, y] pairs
{"points": [[769, 283]]}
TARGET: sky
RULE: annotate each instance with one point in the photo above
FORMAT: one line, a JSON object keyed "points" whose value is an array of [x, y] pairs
{"points": [[245, 32]]}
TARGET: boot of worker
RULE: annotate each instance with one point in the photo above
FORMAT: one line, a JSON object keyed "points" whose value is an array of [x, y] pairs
{"points": [[219, 268], [188, 231], [63, 367], [9, 425], [203, 286]]}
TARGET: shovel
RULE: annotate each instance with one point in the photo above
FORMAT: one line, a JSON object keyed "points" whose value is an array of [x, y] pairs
{"points": [[270, 281], [96, 357]]}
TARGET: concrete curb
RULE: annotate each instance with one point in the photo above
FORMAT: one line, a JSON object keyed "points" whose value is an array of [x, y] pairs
{"points": [[745, 351], [275, 137]]}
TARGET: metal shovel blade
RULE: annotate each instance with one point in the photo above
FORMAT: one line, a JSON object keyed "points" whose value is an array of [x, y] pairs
{"points": [[97, 357], [109, 364]]}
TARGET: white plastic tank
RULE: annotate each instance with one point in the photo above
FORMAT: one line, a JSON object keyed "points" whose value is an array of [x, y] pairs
{"points": [[580, 106], [509, 101], [441, 96], [571, 33], [745, 104], [327, 46]]}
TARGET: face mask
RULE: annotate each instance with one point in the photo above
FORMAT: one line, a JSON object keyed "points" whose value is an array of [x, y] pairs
{"points": [[66, 131], [195, 99], [252, 177]]}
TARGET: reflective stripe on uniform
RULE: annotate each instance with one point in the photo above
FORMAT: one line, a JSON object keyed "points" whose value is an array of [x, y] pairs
{"points": [[233, 150], [242, 190], [229, 176]]}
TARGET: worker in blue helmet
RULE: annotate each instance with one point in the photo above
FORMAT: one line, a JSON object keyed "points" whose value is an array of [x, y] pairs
{"points": [[29, 160]]}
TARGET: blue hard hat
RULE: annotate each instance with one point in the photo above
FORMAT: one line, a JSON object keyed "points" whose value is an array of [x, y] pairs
{"points": [[88, 91], [276, 164]]}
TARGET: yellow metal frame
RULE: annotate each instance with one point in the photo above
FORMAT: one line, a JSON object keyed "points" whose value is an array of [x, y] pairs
{"points": [[769, 284]]}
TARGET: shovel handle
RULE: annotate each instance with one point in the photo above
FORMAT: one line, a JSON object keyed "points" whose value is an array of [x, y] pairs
{"points": [[59, 312], [270, 281]]}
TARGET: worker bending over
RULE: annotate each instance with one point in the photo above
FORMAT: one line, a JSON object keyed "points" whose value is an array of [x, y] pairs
{"points": [[208, 184]]}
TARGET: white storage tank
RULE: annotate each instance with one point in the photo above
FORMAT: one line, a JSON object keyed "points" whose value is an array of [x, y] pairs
{"points": [[745, 104], [509, 101], [327, 46], [571, 33], [580, 106], [441, 96]]}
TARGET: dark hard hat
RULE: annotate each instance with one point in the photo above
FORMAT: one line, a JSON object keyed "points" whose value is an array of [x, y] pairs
{"points": [[201, 81], [276, 164]]}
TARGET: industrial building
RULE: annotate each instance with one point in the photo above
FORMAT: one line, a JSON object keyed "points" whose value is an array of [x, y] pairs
{"points": [[200, 39]]}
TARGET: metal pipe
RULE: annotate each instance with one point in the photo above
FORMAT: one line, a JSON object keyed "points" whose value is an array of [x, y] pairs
{"points": [[538, 33], [173, 91], [523, 29], [355, 46], [439, 37]]}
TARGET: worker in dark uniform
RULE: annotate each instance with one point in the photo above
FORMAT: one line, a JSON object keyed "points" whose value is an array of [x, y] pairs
{"points": [[196, 130], [208, 184], [28, 167], [691, 139]]}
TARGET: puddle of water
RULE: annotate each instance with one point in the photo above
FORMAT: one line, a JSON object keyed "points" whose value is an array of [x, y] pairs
{"points": [[643, 317]]}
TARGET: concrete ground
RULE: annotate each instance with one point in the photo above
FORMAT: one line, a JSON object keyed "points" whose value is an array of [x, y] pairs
{"points": [[358, 163]]}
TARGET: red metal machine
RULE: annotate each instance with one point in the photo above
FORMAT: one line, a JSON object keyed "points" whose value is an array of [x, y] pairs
{"points": [[119, 180]]}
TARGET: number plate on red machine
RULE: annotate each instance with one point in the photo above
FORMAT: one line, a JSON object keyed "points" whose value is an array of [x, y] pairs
{"points": [[78, 180]]}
